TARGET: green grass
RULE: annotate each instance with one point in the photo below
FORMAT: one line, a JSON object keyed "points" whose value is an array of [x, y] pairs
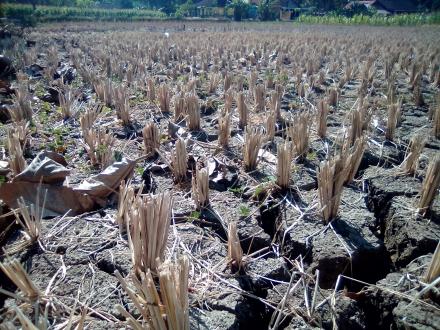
{"points": [[379, 20], [51, 13], [244, 210]]}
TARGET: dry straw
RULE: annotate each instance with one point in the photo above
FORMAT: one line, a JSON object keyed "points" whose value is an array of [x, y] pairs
{"points": [[411, 161], [151, 92], [214, 81], [243, 112], [18, 275], [436, 120], [284, 152], [122, 106], [88, 118], [125, 201], [399, 105], [331, 177], [270, 126], [99, 147], [253, 83], [356, 127], [164, 98], [149, 220], [193, 110], [235, 252], [430, 185], [299, 132], [179, 161], [275, 104], [179, 107], [105, 91], [260, 98], [433, 271], [30, 217], [333, 95], [301, 90], [252, 144], [321, 121], [224, 128], [227, 83], [151, 136], [417, 92], [17, 163], [353, 158], [21, 131], [200, 188], [391, 122], [21, 106], [67, 98], [166, 309]]}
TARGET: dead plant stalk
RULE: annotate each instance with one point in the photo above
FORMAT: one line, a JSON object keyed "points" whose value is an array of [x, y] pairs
{"points": [[149, 220], [430, 185], [200, 188], [331, 177], [252, 144]]}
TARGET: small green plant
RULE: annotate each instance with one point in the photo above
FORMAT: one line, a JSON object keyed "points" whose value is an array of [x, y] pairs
{"points": [[46, 107], [311, 156], [258, 191], [294, 168], [58, 143], [106, 110], [39, 91], [139, 170], [236, 190], [269, 178], [244, 210], [117, 155], [194, 215], [282, 78]]}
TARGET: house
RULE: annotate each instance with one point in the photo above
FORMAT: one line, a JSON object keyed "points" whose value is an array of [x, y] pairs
{"points": [[208, 8], [388, 7], [285, 9], [288, 10]]}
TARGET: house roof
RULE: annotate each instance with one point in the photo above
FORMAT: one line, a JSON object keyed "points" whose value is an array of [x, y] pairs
{"points": [[365, 3], [397, 5], [288, 4], [206, 3], [388, 5]]}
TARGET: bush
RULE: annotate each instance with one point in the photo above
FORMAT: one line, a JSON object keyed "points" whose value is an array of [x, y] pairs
{"points": [[380, 20], [241, 9], [28, 16], [265, 11], [356, 10]]}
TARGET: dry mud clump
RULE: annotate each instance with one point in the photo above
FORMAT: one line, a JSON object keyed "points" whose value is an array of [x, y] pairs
{"points": [[174, 175]]}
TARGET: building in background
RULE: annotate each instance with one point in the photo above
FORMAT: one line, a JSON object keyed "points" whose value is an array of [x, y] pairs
{"points": [[388, 7]]}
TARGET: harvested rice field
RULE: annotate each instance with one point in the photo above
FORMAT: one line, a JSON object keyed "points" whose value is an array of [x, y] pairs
{"points": [[200, 175]]}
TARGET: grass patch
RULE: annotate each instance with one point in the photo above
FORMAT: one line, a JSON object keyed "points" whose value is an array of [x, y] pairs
{"points": [[27, 15], [379, 20]]}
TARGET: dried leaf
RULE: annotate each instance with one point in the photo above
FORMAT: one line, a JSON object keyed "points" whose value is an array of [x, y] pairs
{"points": [[4, 167], [211, 165], [46, 167], [59, 199], [106, 182], [267, 156]]}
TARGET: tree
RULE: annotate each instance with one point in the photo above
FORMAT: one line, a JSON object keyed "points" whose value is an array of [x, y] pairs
{"points": [[241, 9], [265, 12], [185, 9], [126, 4], [325, 5]]}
